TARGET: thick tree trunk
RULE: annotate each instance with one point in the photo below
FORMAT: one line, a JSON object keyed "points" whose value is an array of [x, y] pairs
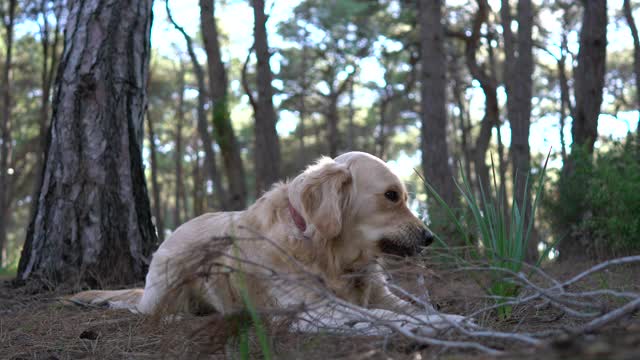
{"points": [[435, 152], [203, 127], [225, 135], [5, 129], [434, 119], [588, 89], [589, 74], [518, 72], [93, 221], [636, 52], [157, 205], [267, 144]]}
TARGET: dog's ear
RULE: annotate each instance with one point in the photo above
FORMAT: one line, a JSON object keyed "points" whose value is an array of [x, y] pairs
{"points": [[324, 196]]}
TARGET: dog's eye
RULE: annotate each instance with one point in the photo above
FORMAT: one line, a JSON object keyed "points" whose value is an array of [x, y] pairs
{"points": [[393, 196]]}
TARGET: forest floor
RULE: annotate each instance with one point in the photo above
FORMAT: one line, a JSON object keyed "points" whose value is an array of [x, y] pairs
{"points": [[36, 325]]}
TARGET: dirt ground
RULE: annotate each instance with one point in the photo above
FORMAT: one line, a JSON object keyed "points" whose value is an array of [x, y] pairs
{"points": [[36, 325]]}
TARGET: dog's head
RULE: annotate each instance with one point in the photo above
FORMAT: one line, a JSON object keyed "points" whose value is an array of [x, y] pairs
{"points": [[357, 206]]}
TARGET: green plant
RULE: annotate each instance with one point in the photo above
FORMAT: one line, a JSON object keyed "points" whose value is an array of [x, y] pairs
{"points": [[614, 199], [258, 326], [503, 235], [10, 270], [596, 206]]}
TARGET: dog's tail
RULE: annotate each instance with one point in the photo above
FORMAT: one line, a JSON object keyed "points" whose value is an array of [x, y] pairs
{"points": [[113, 299]]}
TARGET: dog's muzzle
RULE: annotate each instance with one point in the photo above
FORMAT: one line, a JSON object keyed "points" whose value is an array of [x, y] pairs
{"points": [[408, 242]]}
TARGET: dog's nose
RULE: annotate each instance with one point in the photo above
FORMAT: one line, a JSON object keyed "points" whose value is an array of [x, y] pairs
{"points": [[427, 237]]}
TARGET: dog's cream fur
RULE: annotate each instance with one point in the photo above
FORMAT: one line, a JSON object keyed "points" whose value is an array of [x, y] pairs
{"points": [[329, 224]]}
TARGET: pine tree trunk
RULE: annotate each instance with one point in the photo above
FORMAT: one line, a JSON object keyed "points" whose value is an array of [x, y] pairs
{"points": [[93, 221], [435, 153], [267, 144], [588, 89], [589, 74], [225, 135], [518, 72]]}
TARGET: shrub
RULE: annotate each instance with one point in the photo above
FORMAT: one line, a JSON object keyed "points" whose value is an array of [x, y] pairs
{"points": [[598, 207]]}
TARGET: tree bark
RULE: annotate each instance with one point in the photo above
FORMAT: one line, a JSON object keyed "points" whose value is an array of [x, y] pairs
{"points": [[225, 135], [5, 127], [589, 74], [93, 221], [267, 144], [203, 127], [518, 72], [636, 52]]}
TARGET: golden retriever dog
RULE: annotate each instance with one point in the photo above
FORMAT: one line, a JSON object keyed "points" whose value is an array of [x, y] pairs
{"points": [[314, 243]]}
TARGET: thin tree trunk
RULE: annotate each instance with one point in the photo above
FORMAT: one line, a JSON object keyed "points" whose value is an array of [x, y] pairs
{"points": [[565, 100], [179, 190], [636, 52], [332, 122], [93, 220], [381, 138], [5, 128], [332, 114], [489, 86], [49, 60], [198, 191], [351, 130], [304, 88], [203, 127], [225, 135], [464, 126], [157, 206], [267, 144]]}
